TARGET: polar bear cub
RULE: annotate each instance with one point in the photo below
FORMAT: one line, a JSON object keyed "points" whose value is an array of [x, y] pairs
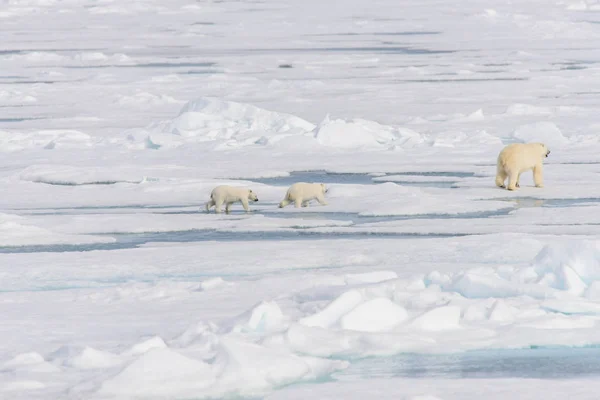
{"points": [[517, 158], [229, 195], [302, 193]]}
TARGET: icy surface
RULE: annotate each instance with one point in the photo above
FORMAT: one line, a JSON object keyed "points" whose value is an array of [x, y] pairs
{"points": [[420, 279]]}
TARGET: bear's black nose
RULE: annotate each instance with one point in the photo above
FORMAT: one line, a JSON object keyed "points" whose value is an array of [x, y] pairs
{"points": [[256, 199]]}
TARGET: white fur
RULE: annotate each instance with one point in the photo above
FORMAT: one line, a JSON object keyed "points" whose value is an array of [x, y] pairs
{"points": [[228, 195], [517, 158], [302, 193]]}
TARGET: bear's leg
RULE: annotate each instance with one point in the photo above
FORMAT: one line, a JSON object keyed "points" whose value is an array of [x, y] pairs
{"points": [[245, 204], [500, 176], [513, 178], [538, 176], [228, 207], [298, 202], [321, 200], [284, 203], [210, 204], [218, 205], [518, 179], [306, 203]]}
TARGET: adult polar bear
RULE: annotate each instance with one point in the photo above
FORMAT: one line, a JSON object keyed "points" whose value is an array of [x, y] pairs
{"points": [[302, 193], [228, 195], [517, 158]]}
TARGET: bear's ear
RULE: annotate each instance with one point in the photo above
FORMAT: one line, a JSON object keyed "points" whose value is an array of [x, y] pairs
{"points": [[250, 190]]}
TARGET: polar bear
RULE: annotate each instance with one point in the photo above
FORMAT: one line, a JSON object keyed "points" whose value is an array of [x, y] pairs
{"points": [[229, 195], [302, 193], [517, 158]]}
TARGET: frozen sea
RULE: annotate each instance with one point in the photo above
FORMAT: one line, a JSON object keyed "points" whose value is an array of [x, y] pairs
{"points": [[420, 280]]}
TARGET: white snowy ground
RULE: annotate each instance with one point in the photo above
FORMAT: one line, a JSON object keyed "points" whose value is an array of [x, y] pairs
{"points": [[118, 118]]}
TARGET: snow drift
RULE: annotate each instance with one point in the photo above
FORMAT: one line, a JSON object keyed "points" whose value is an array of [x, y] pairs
{"points": [[207, 119], [233, 125]]}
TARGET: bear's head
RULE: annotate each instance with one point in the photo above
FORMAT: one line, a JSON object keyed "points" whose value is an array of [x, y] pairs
{"points": [[324, 188], [252, 196], [545, 150]]}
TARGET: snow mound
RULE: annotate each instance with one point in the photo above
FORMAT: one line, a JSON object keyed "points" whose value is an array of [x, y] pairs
{"points": [[250, 369], [91, 358], [83, 58], [69, 175], [144, 346], [502, 312], [545, 132], [45, 139], [335, 310], [457, 139], [17, 231], [101, 58], [475, 116], [36, 56], [239, 368], [25, 359], [213, 283], [28, 362], [15, 97], [145, 99], [483, 284], [265, 317], [370, 277], [520, 109], [126, 9], [202, 334], [209, 119], [377, 315], [160, 373], [439, 319], [360, 133], [235, 125], [229, 125], [22, 385], [424, 397], [570, 266]]}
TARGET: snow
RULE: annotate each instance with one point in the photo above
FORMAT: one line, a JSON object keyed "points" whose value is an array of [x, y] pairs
{"points": [[438, 319], [44, 139], [115, 283], [239, 369], [340, 306], [377, 315], [545, 132], [91, 358], [159, 373], [230, 123], [18, 231], [443, 389], [358, 133]]}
